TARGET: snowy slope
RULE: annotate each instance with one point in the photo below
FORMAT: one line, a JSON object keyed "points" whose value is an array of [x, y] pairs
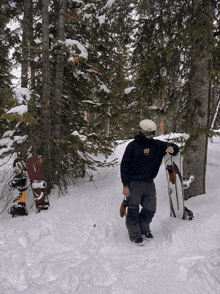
{"points": [[81, 245]]}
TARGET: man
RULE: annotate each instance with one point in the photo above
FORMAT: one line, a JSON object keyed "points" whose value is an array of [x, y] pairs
{"points": [[140, 165]]}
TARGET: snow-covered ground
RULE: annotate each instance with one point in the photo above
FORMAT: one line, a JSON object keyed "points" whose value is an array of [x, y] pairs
{"points": [[81, 244]]}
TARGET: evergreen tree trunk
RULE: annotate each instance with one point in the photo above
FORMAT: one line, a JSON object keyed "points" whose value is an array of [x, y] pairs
{"points": [[25, 42], [27, 27], [45, 103], [195, 159], [32, 55], [106, 126], [57, 101]]}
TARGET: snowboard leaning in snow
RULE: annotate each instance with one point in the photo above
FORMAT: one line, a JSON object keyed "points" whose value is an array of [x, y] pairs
{"points": [[38, 184], [174, 173], [18, 183]]}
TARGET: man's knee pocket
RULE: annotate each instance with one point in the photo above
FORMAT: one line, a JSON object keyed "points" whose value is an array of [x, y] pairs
{"points": [[145, 213], [133, 215]]}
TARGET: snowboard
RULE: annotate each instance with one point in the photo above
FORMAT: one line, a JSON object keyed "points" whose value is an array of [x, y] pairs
{"points": [[176, 186], [38, 184], [18, 184]]}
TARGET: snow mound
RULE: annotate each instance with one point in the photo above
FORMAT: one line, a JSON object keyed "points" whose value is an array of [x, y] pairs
{"points": [[80, 245]]}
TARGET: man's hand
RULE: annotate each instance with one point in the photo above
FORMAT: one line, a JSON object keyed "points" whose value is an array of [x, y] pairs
{"points": [[170, 150], [126, 191]]}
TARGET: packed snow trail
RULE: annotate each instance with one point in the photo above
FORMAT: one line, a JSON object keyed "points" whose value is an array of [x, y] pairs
{"points": [[81, 244]]}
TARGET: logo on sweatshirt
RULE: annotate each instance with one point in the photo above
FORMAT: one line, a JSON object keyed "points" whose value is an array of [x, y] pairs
{"points": [[146, 151]]}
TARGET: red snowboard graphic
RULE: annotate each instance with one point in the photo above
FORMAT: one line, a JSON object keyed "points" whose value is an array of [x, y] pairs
{"points": [[38, 185]]}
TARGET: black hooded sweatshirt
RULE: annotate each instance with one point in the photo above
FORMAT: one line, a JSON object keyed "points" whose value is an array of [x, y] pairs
{"points": [[142, 159]]}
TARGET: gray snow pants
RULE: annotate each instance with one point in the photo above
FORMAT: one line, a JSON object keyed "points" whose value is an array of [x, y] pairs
{"points": [[138, 222]]}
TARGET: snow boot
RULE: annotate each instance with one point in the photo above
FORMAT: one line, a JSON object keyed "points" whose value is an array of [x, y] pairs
{"points": [[138, 241], [147, 236]]}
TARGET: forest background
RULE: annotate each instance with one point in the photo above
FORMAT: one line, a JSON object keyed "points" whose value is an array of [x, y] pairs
{"points": [[91, 70]]}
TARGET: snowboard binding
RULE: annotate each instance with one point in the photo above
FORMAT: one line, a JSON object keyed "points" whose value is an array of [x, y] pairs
{"points": [[172, 174], [18, 209], [38, 184], [188, 214], [187, 182], [38, 187]]}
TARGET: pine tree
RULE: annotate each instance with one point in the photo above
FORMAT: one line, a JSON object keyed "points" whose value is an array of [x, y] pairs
{"points": [[199, 104], [75, 59], [6, 94], [173, 57]]}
